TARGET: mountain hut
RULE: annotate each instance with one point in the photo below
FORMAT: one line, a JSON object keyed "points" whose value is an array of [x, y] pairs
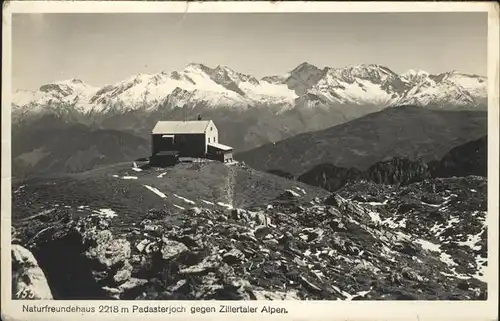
{"points": [[188, 139]]}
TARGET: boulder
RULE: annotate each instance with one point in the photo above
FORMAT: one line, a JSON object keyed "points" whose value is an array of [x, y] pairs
{"points": [[333, 200], [209, 264], [141, 246], [259, 217], [170, 249], [238, 213], [337, 225], [434, 199], [28, 279], [194, 211], [289, 195], [312, 234], [261, 231], [123, 274], [106, 250]]}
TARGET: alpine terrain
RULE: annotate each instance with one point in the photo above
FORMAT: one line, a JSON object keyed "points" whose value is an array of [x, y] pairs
{"points": [[232, 233], [352, 183], [208, 230]]}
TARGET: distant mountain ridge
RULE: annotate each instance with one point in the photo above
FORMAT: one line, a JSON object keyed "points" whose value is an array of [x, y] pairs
{"points": [[304, 86], [461, 161], [248, 111], [400, 132]]}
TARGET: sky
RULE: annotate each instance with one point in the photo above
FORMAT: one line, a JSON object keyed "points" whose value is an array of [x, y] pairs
{"points": [[105, 48]]}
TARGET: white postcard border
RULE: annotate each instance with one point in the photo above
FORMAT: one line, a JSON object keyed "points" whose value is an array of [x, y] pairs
{"points": [[297, 310]]}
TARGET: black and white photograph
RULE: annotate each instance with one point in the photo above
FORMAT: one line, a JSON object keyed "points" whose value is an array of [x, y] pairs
{"points": [[327, 156]]}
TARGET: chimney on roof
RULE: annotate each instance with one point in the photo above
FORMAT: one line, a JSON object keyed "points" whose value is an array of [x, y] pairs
{"points": [[199, 117]]}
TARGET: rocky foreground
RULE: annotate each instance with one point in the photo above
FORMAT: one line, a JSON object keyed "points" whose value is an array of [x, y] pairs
{"points": [[424, 241]]}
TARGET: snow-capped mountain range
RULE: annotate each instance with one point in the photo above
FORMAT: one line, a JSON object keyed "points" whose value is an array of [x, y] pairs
{"points": [[306, 86]]}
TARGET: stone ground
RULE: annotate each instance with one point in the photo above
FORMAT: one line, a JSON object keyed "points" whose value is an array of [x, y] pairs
{"points": [[424, 241]]}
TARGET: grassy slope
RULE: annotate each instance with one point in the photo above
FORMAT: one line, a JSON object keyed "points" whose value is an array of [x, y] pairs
{"points": [[52, 146], [99, 189]]}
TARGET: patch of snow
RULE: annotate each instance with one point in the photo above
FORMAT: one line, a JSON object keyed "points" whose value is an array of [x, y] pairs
{"points": [[391, 222], [301, 190], [136, 168], [444, 208], [426, 245], [375, 217], [107, 212], [377, 203], [207, 202], [446, 258], [129, 177], [224, 205], [161, 175], [456, 275], [472, 241], [292, 192], [184, 199], [437, 228], [452, 221], [156, 191], [473, 190], [402, 236], [179, 207], [431, 205], [443, 256], [481, 272]]}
